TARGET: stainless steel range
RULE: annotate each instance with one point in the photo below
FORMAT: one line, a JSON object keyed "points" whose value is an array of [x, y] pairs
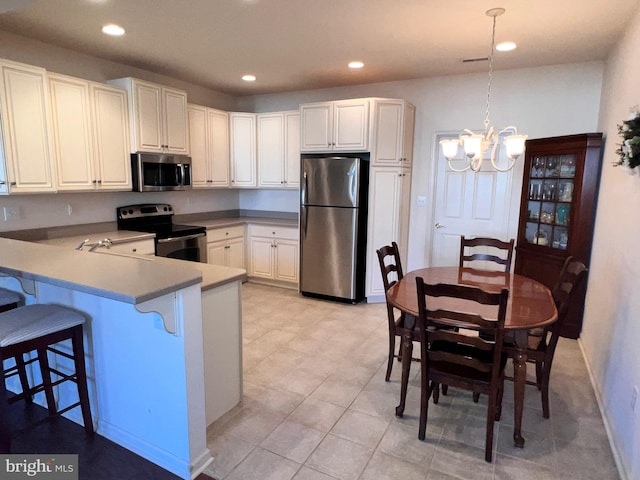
{"points": [[184, 242]]}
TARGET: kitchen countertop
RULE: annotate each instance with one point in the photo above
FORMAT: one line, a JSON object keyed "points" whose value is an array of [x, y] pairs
{"points": [[116, 236], [118, 277]]}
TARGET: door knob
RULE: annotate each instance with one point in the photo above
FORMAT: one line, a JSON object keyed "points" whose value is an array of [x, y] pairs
{"points": [[439, 225]]}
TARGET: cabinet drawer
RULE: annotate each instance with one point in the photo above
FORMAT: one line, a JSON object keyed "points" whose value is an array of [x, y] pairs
{"points": [[288, 233], [139, 247], [216, 234]]}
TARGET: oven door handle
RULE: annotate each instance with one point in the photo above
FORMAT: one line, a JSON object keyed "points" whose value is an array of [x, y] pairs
{"points": [[186, 237]]}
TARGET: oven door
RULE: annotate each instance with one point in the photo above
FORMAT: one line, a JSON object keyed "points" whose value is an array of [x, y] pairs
{"points": [[188, 247]]}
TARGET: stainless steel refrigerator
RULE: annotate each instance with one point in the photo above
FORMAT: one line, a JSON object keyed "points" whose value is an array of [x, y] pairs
{"points": [[333, 226]]}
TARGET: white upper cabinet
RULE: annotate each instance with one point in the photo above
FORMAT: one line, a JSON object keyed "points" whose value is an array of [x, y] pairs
{"points": [[90, 135], [72, 135], [209, 144], [111, 137], [158, 115], [341, 126], [243, 149], [393, 133], [26, 149], [278, 149]]}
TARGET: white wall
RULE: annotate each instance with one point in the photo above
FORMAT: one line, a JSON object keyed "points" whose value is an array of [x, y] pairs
{"points": [[52, 210], [611, 330], [541, 102]]}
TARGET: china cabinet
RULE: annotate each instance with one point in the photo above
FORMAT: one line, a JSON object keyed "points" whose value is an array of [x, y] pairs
{"points": [[557, 210]]}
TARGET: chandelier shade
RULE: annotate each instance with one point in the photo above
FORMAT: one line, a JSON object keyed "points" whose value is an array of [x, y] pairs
{"points": [[476, 145]]}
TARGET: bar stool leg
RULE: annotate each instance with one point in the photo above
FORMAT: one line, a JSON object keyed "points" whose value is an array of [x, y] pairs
{"points": [[24, 381], [81, 378], [5, 435], [45, 370]]}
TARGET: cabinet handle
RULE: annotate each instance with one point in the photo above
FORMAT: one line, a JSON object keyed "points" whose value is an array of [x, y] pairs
{"points": [[134, 250], [13, 184], [2, 182]]}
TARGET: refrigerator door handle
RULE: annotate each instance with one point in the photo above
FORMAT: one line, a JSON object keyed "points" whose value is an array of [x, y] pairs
{"points": [[303, 189], [304, 213]]}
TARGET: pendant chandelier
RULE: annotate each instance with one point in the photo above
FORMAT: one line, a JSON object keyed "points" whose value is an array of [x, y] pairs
{"points": [[476, 144]]}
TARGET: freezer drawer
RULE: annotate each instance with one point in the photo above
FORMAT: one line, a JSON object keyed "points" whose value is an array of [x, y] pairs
{"points": [[328, 252]]}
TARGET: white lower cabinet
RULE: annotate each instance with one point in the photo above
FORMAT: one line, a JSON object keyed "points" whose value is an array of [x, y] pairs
{"points": [[226, 247], [273, 254]]}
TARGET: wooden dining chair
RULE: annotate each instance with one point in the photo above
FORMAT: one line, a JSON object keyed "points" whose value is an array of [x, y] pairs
{"points": [[542, 342], [401, 325], [455, 357], [487, 250]]}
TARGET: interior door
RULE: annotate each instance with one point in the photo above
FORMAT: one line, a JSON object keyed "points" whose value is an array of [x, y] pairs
{"points": [[472, 204]]}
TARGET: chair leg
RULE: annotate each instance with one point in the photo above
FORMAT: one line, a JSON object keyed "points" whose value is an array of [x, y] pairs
{"points": [[24, 381], [407, 354], [435, 387], [425, 395], [81, 378], [392, 349], [445, 390], [5, 435], [544, 388], [476, 397], [45, 371], [539, 374], [499, 401], [491, 413]]}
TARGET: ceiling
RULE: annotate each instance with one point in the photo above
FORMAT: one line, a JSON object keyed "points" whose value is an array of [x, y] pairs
{"points": [[306, 44]]}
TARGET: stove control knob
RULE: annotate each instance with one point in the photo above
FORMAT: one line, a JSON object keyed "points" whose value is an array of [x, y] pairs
{"points": [[130, 211]]}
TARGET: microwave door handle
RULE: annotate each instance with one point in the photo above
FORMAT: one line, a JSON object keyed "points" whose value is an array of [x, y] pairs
{"points": [[179, 174]]}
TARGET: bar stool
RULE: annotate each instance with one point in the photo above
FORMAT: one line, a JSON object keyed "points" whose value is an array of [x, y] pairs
{"points": [[39, 327]]}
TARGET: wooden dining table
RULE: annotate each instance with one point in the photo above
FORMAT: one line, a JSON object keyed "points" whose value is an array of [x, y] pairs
{"points": [[530, 306]]}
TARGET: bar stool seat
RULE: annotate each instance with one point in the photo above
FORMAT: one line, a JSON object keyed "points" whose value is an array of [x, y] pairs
{"points": [[38, 328]]}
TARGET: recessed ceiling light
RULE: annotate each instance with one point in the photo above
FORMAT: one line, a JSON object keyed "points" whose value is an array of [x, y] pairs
{"points": [[249, 78], [505, 46], [113, 30], [356, 64]]}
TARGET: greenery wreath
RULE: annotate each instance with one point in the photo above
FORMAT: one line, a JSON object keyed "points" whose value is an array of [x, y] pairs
{"points": [[629, 149]]}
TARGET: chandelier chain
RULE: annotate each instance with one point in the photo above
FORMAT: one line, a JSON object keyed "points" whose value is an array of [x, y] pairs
{"points": [[493, 39]]}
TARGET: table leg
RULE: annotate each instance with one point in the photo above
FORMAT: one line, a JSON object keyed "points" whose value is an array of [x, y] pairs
{"points": [[407, 353], [519, 382]]}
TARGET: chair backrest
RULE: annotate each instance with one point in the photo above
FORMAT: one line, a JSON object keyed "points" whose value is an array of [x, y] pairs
{"points": [[569, 283], [437, 309], [505, 248], [389, 259]]}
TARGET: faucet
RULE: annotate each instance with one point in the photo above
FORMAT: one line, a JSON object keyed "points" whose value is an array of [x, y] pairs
{"points": [[82, 244], [102, 243]]}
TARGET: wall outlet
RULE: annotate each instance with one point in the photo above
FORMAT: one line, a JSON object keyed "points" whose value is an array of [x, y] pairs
{"points": [[634, 398], [11, 214], [69, 209], [422, 201]]}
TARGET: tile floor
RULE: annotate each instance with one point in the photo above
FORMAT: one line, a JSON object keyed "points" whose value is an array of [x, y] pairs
{"points": [[316, 407]]}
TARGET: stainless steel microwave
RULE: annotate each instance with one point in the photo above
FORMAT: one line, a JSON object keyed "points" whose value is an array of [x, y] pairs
{"points": [[155, 172]]}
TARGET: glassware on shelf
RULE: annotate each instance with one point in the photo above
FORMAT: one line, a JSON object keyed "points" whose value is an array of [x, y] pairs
{"points": [[552, 165], [562, 215], [566, 191], [538, 167], [541, 238], [568, 166]]}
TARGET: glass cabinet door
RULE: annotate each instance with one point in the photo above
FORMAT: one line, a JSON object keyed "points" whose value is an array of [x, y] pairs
{"points": [[551, 186]]}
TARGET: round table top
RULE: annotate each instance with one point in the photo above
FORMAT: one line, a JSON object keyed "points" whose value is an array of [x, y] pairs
{"points": [[530, 303]]}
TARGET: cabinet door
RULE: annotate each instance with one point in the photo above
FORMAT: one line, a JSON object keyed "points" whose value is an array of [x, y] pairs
{"points": [[243, 149], [292, 150], [176, 127], [388, 132], [316, 123], [271, 150], [235, 253], [351, 126], [286, 260], [216, 253], [198, 143], [25, 123], [111, 137], [71, 128], [148, 117], [408, 128], [385, 193], [261, 257], [218, 135]]}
